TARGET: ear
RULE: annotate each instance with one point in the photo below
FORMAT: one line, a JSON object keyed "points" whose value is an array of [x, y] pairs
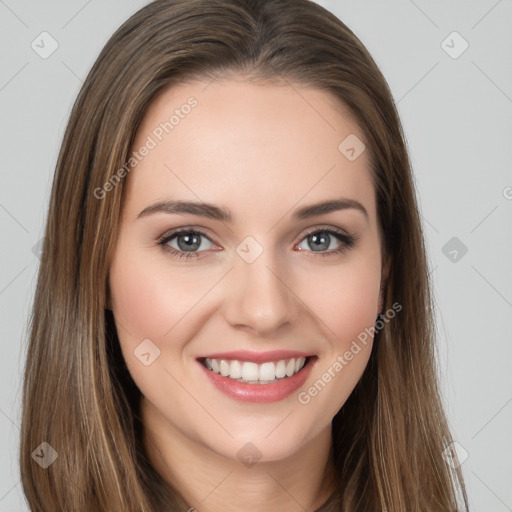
{"points": [[383, 282]]}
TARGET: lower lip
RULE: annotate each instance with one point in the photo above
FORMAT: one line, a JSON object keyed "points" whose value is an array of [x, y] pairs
{"points": [[260, 393]]}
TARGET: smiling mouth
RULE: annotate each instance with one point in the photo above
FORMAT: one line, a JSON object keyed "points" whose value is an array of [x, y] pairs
{"points": [[253, 373]]}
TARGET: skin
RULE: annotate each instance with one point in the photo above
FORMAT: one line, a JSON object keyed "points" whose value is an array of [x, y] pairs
{"points": [[260, 151]]}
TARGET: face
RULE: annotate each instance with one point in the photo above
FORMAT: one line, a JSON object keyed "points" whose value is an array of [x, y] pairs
{"points": [[257, 271]]}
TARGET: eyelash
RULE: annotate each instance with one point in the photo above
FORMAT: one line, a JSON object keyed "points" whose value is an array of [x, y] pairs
{"points": [[347, 242]]}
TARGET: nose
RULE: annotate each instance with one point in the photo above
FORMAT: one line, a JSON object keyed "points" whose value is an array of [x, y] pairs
{"points": [[261, 296]]}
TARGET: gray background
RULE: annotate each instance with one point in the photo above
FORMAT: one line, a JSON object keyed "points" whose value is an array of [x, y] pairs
{"points": [[456, 111]]}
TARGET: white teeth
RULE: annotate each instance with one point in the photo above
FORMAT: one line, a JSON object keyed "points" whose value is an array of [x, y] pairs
{"points": [[267, 371], [224, 368], [235, 371], [250, 371], [290, 367], [280, 369], [255, 373]]}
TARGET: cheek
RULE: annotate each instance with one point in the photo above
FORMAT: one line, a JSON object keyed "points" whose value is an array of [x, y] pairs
{"points": [[155, 301], [147, 302], [344, 298], [137, 299], [345, 301], [149, 298]]}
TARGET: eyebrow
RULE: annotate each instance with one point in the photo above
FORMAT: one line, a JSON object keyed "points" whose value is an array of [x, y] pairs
{"points": [[217, 213]]}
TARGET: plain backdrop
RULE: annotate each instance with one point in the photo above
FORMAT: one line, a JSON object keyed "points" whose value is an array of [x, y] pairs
{"points": [[449, 68]]}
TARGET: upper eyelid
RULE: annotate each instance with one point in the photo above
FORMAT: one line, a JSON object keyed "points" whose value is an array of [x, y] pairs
{"points": [[169, 235]]}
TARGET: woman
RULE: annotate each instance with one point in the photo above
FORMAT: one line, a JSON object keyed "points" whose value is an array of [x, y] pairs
{"points": [[233, 307]]}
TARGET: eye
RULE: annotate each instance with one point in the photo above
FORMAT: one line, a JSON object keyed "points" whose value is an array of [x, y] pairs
{"points": [[187, 243], [323, 239]]}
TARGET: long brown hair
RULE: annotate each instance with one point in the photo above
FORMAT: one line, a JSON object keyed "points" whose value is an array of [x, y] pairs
{"points": [[388, 438]]}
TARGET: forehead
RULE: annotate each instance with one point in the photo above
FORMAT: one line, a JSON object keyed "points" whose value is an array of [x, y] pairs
{"points": [[257, 148]]}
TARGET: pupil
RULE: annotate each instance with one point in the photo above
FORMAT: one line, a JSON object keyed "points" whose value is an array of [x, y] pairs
{"points": [[191, 241], [322, 239]]}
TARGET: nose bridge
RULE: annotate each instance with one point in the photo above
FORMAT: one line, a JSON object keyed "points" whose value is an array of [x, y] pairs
{"points": [[261, 298]]}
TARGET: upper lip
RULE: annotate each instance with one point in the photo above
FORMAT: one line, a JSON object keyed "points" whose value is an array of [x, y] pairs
{"points": [[257, 357]]}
